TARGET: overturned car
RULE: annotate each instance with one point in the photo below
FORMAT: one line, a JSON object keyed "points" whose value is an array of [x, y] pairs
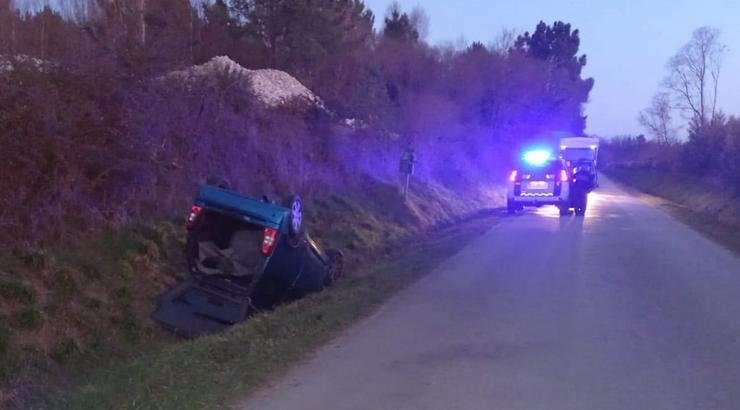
{"points": [[244, 255]]}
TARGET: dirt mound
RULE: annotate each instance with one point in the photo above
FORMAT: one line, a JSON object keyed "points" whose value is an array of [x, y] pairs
{"points": [[271, 87], [7, 63]]}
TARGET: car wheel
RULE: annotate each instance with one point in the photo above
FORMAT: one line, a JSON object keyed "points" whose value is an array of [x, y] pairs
{"points": [[581, 210], [336, 266], [295, 220], [578, 200], [218, 182]]}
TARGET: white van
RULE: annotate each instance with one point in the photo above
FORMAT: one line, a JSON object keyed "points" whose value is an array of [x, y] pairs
{"points": [[577, 149]]}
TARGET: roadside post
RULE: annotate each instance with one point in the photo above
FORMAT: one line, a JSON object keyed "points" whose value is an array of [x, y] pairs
{"points": [[408, 159]]}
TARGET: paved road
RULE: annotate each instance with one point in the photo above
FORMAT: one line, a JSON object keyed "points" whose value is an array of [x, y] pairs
{"points": [[625, 309]]}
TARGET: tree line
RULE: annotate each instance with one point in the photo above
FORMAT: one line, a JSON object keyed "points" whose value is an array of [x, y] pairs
{"points": [[686, 103], [90, 132]]}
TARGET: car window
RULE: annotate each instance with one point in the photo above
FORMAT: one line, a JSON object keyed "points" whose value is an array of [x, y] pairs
{"points": [[551, 167], [575, 154]]}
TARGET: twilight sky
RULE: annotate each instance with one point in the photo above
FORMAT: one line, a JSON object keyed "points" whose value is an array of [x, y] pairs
{"points": [[627, 42]]}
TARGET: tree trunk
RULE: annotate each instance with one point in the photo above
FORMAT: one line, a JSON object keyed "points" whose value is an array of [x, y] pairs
{"points": [[191, 36], [13, 22], [142, 21], [702, 107], [43, 37]]}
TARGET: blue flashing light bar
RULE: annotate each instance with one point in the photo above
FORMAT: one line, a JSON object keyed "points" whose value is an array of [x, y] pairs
{"points": [[537, 157]]}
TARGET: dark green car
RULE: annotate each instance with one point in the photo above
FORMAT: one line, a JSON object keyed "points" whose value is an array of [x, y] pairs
{"points": [[244, 255]]}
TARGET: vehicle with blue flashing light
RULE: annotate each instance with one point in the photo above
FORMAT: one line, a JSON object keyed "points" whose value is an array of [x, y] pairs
{"points": [[540, 179], [244, 255]]}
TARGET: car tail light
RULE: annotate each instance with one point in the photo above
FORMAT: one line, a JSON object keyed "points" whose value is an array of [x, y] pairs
{"points": [[512, 177], [270, 240], [194, 212], [563, 175]]}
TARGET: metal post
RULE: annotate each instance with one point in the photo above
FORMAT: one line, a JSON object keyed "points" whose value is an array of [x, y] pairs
{"points": [[407, 169], [406, 188]]}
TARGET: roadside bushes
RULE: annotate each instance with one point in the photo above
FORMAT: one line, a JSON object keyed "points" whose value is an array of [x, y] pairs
{"points": [[62, 153], [711, 152], [631, 152], [78, 156], [97, 134], [703, 151], [730, 156]]}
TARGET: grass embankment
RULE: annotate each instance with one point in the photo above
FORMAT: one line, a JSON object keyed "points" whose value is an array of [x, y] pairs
{"points": [[70, 310], [65, 307], [709, 208], [209, 372]]}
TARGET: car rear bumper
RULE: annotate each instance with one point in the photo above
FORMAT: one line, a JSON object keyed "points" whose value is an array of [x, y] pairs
{"points": [[558, 197], [536, 201]]}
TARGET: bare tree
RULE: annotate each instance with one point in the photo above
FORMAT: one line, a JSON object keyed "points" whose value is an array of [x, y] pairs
{"points": [[693, 76], [657, 119], [505, 40], [77, 10], [8, 21], [420, 20]]}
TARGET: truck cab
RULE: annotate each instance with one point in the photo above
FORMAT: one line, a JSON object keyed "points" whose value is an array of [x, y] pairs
{"points": [[580, 155]]}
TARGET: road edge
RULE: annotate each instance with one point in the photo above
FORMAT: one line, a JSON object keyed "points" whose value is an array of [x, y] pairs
{"points": [[701, 222]]}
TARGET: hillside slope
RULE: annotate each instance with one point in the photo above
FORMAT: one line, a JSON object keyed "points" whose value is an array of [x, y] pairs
{"points": [[70, 304]]}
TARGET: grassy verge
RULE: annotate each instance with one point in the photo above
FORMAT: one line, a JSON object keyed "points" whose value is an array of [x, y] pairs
{"points": [[67, 307], [709, 209], [211, 371], [73, 307]]}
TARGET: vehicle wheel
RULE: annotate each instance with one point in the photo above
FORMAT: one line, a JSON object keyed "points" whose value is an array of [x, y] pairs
{"points": [[581, 209], [336, 266], [295, 220], [564, 210], [511, 207]]}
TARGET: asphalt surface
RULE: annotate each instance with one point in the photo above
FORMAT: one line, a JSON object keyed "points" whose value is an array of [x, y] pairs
{"points": [[625, 309]]}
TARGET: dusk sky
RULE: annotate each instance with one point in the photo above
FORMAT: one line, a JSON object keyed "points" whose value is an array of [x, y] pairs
{"points": [[627, 42]]}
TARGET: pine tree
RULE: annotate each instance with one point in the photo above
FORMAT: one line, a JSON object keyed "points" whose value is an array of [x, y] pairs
{"points": [[398, 26], [303, 36]]}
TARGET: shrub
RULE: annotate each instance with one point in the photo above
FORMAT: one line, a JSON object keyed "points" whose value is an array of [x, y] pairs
{"points": [[730, 156], [28, 319], [17, 292], [712, 151], [704, 148]]}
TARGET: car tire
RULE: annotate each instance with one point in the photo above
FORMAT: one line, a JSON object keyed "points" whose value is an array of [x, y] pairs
{"points": [[336, 266], [581, 209], [295, 220], [218, 182], [580, 201]]}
